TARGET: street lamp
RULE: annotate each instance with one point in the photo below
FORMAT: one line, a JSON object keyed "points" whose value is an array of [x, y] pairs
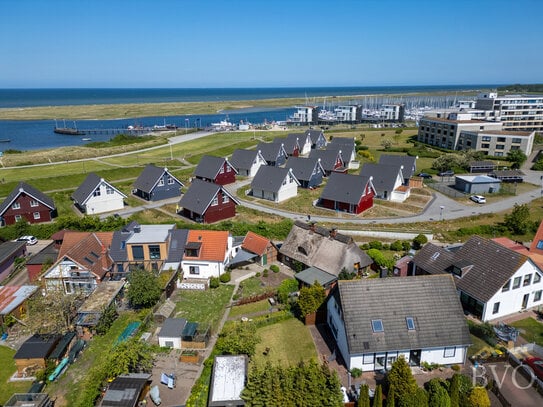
{"points": [[441, 212]]}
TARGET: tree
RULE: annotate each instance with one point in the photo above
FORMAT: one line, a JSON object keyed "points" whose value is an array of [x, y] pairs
{"points": [[53, 312], [144, 289], [446, 161], [106, 319], [402, 380], [516, 158], [437, 395], [129, 356], [364, 399], [386, 143], [518, 221], [238, 338], [378, 396], [419, 241], [391, 396], [478, 397], [311, 298], [286, 287], [454, 390]]}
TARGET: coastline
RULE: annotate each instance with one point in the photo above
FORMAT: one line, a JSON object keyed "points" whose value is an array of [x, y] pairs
{"points": [[137, 110]]}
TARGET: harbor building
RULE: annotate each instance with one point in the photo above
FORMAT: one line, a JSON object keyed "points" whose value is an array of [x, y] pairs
{"points": [[516, 112]]}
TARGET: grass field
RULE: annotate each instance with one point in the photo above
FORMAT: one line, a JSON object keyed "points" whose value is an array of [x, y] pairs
{"points": [[248, 309], [531, 330], [7, 370], [291, 332], [205, 307]]}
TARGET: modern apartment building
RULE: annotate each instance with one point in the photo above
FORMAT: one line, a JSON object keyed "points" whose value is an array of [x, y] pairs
{"points": [[393, 113], [516, 112], [460, 131], [304, 115], [348, 113]]}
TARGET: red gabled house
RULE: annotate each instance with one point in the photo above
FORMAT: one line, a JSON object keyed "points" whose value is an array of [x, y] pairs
{"points": [[207, 202], [348, 193], [215, 169], [27, 203]]}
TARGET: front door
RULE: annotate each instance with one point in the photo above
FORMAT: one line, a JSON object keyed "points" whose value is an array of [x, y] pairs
{"points": [[525, 300], [414, 357]]}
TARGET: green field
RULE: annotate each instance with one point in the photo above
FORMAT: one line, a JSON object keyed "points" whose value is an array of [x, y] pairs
{"points": [[530, 329], [249, 309], [291, 332], [7, 370]]}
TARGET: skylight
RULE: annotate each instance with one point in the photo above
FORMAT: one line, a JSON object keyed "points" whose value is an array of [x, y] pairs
{"points": [[377, 325], [410, 323]]}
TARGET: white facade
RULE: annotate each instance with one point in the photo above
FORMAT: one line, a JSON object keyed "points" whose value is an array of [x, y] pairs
{"points": [[169, 342], [288, 189], [390, 112], [304, 114], [383, 360], [345, 113], [257, 162], [105, 198], [70, 277], [524, 290], [202, 269], [305, 144]]}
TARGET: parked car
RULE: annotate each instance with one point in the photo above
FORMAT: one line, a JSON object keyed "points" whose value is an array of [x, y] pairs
{"points": [[448, 173], [478, 199], [537, 366], [424, 175], [28, 239]]}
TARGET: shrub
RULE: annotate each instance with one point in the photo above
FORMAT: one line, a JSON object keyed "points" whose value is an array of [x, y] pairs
{"points": [[214, 282], [225, 278], [376, 245], [396, 246], [265, 273], [365, 246], [286, 287], [257, 274], [419, 241], [274, 268], [456, 368], [356, 372]]}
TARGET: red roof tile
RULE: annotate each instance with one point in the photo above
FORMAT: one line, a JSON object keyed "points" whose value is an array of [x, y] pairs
{"points": [[255, 243], [214, 244]]}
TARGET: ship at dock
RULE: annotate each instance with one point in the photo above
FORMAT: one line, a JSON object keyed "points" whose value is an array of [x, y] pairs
{"points": [[71, 131]]}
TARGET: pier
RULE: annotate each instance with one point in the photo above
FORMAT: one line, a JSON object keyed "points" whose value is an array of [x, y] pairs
{"points": [[135, 131]]}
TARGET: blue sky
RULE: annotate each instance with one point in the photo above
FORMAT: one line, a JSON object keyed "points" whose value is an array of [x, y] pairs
{"points": [[239, 43]]}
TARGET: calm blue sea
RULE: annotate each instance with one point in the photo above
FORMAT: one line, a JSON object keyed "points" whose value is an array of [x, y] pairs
{"points": [[38, 134]]}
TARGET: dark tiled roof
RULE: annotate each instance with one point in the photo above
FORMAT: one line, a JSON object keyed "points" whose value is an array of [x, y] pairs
{"points": [[200, 195], [8, 249], [87, 187], [312, 274], [432, 302], [37, 347], [209, 166], [48, 254], [345, 188], [244, 158], [178, 239], [303, 168], [118, 249], [290, 143], [384, 176], [269, 178], [314, 134], [29, 190], [125, 390], [484, 163], [172, 327], [409, 163], [328, 157], [487, 265], [270, 151], [343, 141], [150, 176], [320, 247]]}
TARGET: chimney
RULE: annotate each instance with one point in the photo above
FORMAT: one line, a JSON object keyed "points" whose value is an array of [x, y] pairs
{"points": [[333, 233]]}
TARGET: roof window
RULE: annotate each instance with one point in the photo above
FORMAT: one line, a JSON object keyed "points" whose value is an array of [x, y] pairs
{"points": [[410, 323], [377, 325]]}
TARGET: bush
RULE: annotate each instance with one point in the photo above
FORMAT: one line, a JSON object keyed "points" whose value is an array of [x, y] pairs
{"points": [[274, 268], [356, 372], [214, 282], [396, 246], [365, 246], [376, 245], [225, 278], [456, 368], [286, 287], [419, 241], [258, 274], [265, 273]]}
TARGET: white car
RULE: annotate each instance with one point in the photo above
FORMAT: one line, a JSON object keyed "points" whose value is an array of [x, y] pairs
{"points": [[30, 240], [478, 199]]}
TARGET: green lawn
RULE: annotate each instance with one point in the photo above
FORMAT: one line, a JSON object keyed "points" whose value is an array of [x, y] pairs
{"points": [[252, 286], [248, 309], [289, 341], [531, 330], [478, 346], [8, 368], [204, 307]]}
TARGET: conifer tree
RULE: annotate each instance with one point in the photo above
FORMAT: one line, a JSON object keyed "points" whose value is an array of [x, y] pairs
{"points": [[364, 399], [454, 390], [401, 378], [378, 396], [391, 396]]}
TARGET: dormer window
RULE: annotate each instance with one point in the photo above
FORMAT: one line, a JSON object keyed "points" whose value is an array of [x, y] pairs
{"points": [[302, 250], [192, 249], [377, 325], [410, 323]]}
